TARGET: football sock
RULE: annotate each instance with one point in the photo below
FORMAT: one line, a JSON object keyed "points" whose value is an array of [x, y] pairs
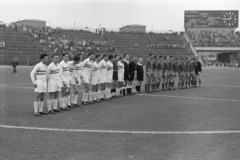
{"points": [[61, 102], [75, 98], [90, 96], [87, 95], [49, 104], [54, 104], [200, 82], [83, 97], [41, 106], [99, 94], [65, 101], [68, 100], [35, 105]]}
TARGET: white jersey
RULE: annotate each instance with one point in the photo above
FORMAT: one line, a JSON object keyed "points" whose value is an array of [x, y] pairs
{"points": [[96, 69], [64, 71], [53, 70], [109, 68], [120, 67], [87, 66], [40, 71], [103, 67], [78, 69], [71, 68]]}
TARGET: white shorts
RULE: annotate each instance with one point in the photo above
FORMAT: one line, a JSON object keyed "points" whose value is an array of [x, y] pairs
{"points": [[41, 86], [120, 78], [86, 77], [54, 85], [68, 84], [95, 80], [103, 79], [109, 78], [73, 81]]}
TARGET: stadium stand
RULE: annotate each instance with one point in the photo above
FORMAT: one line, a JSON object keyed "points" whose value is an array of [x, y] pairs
{"points": [[18, 45], [141, 44], [214, 39]]}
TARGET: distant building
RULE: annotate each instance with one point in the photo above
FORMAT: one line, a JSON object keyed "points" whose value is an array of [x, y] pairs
{"points": [[133, 28], [30, 22]]}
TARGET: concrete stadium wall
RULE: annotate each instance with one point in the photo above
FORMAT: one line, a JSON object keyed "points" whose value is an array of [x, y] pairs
{"points": [[133, 29], [30, 23]]}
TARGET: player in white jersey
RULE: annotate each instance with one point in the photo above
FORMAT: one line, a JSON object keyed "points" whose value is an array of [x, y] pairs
{"points": [[65, 81], [109, 78], [103, 71], [76, 79], [120, 76], [53, 83], [38, 77], [94, 94], [86, 75]]}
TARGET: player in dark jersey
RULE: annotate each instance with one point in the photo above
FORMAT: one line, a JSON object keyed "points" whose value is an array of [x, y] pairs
{"points": [[154, 79], [148, 73], [165, 73], [174, 73], [198, 72], [187, 72], [192, 70], [160, 70], [126, 87]]}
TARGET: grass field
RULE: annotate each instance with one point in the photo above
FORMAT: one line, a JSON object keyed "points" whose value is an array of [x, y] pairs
{"points": [[193, 124]]}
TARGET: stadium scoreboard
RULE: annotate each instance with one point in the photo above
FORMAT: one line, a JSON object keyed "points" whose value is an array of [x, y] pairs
{"points": [[211, 19]]}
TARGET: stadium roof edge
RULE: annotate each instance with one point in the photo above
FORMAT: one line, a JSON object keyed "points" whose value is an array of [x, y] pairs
{"points": [[33, 20]]}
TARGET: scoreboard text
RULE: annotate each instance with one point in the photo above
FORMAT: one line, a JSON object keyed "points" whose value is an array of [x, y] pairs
{"points": [[211, 19]]}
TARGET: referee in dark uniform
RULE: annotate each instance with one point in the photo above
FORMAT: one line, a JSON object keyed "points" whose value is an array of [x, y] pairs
{"points": [[115, 75], [132, 69], [198, 72], [140, 74]]}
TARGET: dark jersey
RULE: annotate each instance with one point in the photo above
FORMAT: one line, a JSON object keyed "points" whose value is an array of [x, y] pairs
{"points": [[174, 67], [115, 67], [160, 66], [187, 67], [154, 66], [149, 66], [192, 67]]}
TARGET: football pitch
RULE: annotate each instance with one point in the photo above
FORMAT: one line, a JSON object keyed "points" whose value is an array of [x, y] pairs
{"points": [[190, 124]]}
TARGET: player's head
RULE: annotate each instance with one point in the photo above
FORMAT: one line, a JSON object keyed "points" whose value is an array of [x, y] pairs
{"points": [[76, 59], [55, 58], [135, 59], [80, 56], [91, 55], [105, 57], [98, 58], [65, 56], [150, 55], [116, 58], [140, 60], [110, 58], [44, 58], [126, 56]]}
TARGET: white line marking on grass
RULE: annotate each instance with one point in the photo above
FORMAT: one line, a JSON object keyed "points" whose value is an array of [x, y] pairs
{"points": [[16, 87], [119, 132], [23, 87], [219, 85], [16, 84], [201, 98]]}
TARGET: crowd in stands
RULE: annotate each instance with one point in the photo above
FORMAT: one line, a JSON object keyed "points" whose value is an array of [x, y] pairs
{"points": [[166, 46], [214, 39], [225, 64], [2, 44], [55, 39]]}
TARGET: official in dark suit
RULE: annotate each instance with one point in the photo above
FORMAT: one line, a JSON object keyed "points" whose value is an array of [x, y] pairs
{"points": [[140, 74], [132, 69]]}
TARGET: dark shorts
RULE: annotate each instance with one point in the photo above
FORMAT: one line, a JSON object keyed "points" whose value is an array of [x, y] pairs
{"points": [[131, 77], [115, 75], [140, 76]]}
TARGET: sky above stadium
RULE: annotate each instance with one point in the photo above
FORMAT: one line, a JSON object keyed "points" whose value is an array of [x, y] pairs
{"points": [[111, 14]]}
